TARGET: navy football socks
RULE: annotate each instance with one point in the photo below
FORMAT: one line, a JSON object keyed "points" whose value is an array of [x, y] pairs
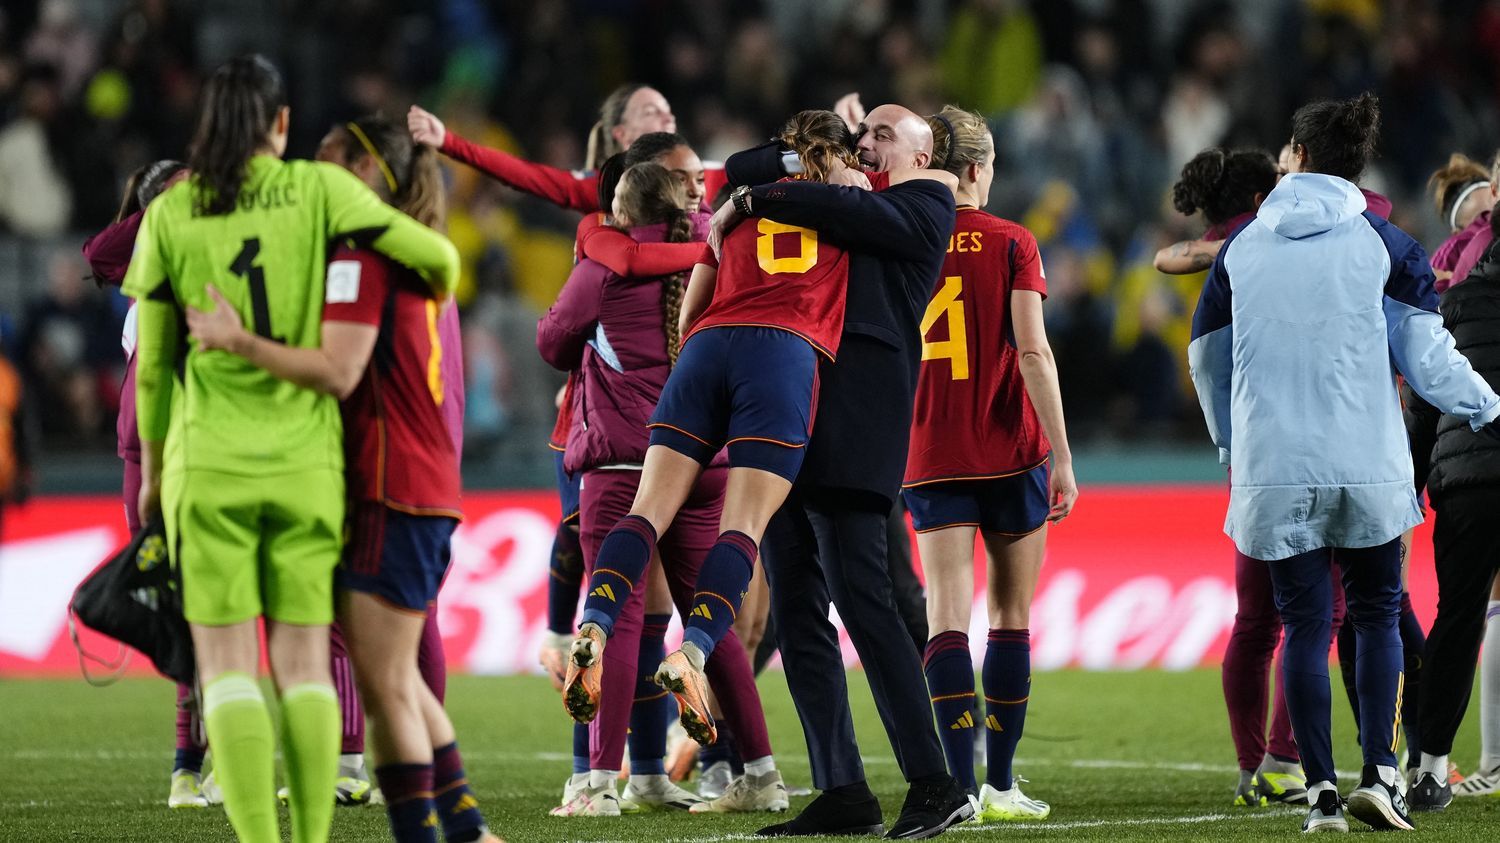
{"points": [[722, 582], [565, 577], [623, 557], [653, 708], [1007, 687], [950, 681]]}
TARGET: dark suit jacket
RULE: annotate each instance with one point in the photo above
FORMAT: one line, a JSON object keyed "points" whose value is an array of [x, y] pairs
{"points": [[897, 239]]}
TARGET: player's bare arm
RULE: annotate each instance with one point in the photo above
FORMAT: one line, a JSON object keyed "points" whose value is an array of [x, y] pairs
{"points": [[334, 368], [1188, 256]]}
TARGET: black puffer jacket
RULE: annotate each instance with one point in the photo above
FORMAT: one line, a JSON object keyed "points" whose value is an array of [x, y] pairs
{"points": [[1460, 458]]}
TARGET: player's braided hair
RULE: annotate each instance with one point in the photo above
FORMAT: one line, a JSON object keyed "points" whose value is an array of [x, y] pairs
{"points": [[648, 194], [820, 138], [959, 138], [411, 179], [1338, 135], [602, 143], [240, 104], [1223, 183]]}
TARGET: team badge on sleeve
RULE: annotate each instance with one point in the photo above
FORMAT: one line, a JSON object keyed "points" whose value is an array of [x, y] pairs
{"points": [[343, 282]]}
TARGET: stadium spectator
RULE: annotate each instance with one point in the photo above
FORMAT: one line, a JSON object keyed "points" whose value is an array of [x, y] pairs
{"points": [[68, 353], [35, 199]]}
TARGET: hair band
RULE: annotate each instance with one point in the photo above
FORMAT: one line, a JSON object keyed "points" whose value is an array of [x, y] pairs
{"points": [[364, 141], [1462, 195], [951, 138]]}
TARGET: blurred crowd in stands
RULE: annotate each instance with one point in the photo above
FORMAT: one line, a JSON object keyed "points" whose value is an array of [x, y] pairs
{"points": [[1096, 104]]}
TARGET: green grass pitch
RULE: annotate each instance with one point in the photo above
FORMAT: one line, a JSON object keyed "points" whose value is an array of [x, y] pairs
{"points": [[1121, 756]]}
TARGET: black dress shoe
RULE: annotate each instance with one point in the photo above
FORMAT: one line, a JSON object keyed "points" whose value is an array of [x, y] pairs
{"points": [[832, 816], [931, 806]]}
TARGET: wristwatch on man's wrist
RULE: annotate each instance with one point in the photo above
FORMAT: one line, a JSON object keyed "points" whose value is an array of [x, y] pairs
{"points": [[741, 199]]}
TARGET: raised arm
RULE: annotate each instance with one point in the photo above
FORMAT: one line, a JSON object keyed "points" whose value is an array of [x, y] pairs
{"points": [[1421, 347], [559, 187], [354, 211], [905, 222], [1211, 354]]}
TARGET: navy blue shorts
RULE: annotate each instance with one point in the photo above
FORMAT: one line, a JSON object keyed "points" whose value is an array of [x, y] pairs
{"points": [[397, 557], [754, 390], [1011, 506], [567, 489]]}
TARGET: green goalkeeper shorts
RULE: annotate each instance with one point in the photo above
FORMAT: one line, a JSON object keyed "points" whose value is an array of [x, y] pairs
{"points": [[251, 546]]}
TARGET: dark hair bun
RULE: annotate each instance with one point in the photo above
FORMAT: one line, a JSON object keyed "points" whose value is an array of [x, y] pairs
{"points": [[1200, 179]]}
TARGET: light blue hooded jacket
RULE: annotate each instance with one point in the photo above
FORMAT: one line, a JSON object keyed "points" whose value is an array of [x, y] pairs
{"points": [[1308, 313]]}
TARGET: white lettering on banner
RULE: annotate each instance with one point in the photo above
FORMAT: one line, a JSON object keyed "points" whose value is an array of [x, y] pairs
{"points": [[1121, 589], [1206, 607], [497, 560], [37, 578]]}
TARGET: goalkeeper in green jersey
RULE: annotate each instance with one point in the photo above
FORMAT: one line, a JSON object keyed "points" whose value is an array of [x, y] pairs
{"points": [[245, 468]]}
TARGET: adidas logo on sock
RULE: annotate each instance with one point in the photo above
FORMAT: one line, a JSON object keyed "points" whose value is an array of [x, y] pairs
{"points": [[701, 611], [965, 721], [604, 591], [993, 724], [465, 803]]}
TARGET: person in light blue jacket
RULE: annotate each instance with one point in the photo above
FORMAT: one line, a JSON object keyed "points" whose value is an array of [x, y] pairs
{"points": [[1310, 311]]}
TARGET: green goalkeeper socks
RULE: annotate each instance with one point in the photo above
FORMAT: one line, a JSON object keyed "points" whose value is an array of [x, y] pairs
{"points": [[310, 726], [239, 730]]}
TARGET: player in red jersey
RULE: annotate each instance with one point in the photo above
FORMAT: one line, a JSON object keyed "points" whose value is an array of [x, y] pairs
{"points": [[746, 379], [630, 111], [989, 454], [403, 476]]}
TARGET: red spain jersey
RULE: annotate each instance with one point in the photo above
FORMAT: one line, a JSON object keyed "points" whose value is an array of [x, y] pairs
{"points": [[972, 418], [774, 275], [396, 443]]}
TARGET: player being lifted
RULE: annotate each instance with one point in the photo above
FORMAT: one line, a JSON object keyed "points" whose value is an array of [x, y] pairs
{"points": [[246, 468], [989, 454], [746, 379]]}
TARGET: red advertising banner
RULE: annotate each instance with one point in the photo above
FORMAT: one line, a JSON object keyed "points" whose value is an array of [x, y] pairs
{"points": [[1138, 576]]}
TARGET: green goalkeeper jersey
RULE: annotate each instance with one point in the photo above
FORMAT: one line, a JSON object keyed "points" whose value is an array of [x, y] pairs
{"points": [[267, 257]]}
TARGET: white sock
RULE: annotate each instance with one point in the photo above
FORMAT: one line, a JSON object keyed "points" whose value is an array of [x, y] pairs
{"points": [[1316, 788], [646, 778], [1388, 774], [352, 765], [603, 778], [1437, 765], [695, 656], [760, 766], [1489, 691]]}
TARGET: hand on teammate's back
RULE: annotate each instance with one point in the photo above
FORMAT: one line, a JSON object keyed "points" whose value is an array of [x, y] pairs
{"points": [[218, 328], [425, 127], [723, 221]]}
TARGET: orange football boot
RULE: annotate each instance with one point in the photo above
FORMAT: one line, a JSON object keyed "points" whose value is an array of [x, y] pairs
{"points": [[585, 670], [688, 685]]}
